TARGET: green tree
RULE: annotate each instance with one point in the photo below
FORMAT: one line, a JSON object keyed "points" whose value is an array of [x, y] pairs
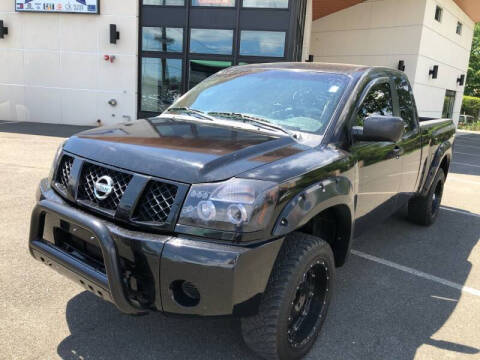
{"points": [[471, 106], [472, 87]]}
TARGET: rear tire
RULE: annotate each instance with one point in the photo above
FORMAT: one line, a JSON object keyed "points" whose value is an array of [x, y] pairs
{"points": [[295, 302], [423, 210]]}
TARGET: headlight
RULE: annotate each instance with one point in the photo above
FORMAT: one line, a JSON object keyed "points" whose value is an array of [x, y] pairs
{"points": [[55, 162], [238, 205]]}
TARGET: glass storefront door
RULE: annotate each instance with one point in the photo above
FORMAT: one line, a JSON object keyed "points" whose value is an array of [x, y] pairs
{"points": [[449, 104], [182, 42], [199, 70]]}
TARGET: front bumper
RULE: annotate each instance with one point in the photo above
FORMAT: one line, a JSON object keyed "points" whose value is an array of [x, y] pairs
{"points": [[142, 271]]}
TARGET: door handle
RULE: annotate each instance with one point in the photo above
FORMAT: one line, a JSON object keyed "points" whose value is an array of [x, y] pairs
{"points": [[397, 152]]}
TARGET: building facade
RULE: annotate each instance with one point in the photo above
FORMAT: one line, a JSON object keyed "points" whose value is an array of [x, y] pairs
{"points": [[68, 69]]}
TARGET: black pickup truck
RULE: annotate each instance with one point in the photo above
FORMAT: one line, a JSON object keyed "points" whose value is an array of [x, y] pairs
{"points": [[243, 197]]}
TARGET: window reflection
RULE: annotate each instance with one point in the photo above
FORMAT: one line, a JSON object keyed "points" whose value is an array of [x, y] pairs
{"points": [[162, 39], [262, 43], [202, 69], [223, 3], [274, 4], [161, 83], [305, 101], [211, 41], [405, 103], [449, 104], [377, 102], [164, 2]]}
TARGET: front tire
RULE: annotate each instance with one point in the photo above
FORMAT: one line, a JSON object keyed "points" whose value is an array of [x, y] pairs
{"points": [[423, 210], [295, 303]]}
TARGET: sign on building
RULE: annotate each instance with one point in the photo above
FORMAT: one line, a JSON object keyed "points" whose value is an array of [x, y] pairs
{"points": [[58, 6]]}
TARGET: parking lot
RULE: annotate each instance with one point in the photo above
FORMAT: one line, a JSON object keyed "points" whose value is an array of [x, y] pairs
{"points": [[407, 292]]}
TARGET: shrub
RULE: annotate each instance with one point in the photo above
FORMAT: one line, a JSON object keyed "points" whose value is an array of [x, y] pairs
{"points": [[471, 106], [472, 127]]}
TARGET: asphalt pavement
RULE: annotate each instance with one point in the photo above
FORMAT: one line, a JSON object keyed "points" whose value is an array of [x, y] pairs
{"points": [[407, 292]]}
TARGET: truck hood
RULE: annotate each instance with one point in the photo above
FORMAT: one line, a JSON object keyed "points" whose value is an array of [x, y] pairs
{"points": [[182, 150]]}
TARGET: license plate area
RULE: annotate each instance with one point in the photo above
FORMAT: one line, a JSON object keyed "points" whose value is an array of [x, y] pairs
{"points": [[74, 240], [89, 252]]}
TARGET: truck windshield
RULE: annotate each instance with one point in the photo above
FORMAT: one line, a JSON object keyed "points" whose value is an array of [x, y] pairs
{"points": [[294, 100]]}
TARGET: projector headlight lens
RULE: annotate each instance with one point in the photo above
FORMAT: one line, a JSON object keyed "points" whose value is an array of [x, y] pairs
{"points": [[237, 205]]}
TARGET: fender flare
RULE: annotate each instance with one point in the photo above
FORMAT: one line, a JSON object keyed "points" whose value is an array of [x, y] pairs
{"points": [[444, 151], [312, 201]]}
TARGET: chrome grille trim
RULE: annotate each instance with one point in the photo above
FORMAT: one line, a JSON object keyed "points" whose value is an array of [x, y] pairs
{"points": [[136, 199], [90, 174], [63, 173], [156, 202]]}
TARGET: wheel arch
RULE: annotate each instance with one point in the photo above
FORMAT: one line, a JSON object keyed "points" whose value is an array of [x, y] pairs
{"points": [[441, 160], [334, 225], [445, 164], [324, 210]]}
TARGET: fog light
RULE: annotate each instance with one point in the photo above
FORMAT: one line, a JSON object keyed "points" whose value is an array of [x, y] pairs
{"points": [[185, 293], [190, 290]]}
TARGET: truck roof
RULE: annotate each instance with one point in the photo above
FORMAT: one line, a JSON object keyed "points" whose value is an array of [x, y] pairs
{"points": [[348, 69]]}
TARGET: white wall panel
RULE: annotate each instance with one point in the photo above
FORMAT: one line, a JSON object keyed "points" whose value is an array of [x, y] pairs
{"points": [[12, 103], [41, 31], [11, 69], [54, 65], [14, 39], [382, 32], [78, 33], [307, 31], [128, 28], [441, 45], [120, 113], [78, 107], [42, 68], [43, 104], [79, 70]]}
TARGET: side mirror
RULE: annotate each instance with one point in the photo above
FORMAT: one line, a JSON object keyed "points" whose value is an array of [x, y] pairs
{"points": [[380, 128]]}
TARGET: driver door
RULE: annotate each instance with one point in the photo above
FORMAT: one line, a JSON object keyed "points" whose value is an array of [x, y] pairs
{"points": [[379, 165]]}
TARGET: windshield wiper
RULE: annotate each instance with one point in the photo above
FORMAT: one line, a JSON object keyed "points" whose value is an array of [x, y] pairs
{"points": [[191, 111], [251, 119]]}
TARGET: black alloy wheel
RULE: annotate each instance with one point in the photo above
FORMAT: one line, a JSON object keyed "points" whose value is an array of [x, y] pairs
{"points": [[424, 210], [294, 305], [309, 305], [437, 198]]}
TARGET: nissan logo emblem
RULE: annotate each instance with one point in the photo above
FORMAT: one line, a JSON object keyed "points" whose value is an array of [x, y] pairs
{"points": [[103, 187]]}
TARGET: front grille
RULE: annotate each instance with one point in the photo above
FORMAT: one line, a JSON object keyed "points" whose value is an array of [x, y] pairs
{"points": [[90, 175], [63, 172], [156, 202], [153, 207]]}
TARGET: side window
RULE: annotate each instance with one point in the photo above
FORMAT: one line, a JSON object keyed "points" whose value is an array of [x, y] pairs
{"points": [[406, 103], [377, 102]]}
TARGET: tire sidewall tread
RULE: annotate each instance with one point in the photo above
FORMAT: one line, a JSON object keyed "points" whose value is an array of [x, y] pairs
{"points": [[266, 332], [420, 207]]}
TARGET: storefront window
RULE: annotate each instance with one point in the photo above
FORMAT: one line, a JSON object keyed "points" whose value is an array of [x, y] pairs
{"points": [[161, 83], [222, 3], [202, 69], [262, 43], [449, 104], [273, 4], [211, 41], [164, 2], [162, 39]]}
